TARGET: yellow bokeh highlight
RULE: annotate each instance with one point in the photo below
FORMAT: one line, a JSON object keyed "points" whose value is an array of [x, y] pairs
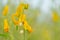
{"points": [[46, 34], [55, 16]]}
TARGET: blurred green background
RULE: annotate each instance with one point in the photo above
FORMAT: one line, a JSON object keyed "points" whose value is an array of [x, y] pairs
{"points": [[38, 16]]}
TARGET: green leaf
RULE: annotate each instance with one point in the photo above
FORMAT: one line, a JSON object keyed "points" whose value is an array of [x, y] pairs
{"points": [[3, 35]]}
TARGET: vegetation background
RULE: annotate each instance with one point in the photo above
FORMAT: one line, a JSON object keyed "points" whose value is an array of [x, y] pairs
{"points": [[38, 16]]}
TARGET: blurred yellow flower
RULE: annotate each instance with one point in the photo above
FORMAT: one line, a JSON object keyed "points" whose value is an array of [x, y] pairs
{"points": [[20, 9], [55, 16], [22, 17], [6, 26], [16, 22], [19, 14], [5, 11], [26, 26]]}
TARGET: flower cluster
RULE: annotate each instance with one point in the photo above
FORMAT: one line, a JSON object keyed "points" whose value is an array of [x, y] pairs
{"points": [[19, 14]]}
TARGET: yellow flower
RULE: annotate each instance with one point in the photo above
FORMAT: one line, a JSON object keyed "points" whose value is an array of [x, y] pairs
{"points": [[20, 9], [5, 11], [21, 17], [16, 22], [27, 27], [24, 22], [55, 16], [6, 26]]}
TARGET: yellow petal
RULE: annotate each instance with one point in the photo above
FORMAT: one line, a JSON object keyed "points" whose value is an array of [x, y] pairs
{"points": [[6, 26], [20, 19], [14, 20], [20, 9], [5, 11], [27, 27], [23, 17]]}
